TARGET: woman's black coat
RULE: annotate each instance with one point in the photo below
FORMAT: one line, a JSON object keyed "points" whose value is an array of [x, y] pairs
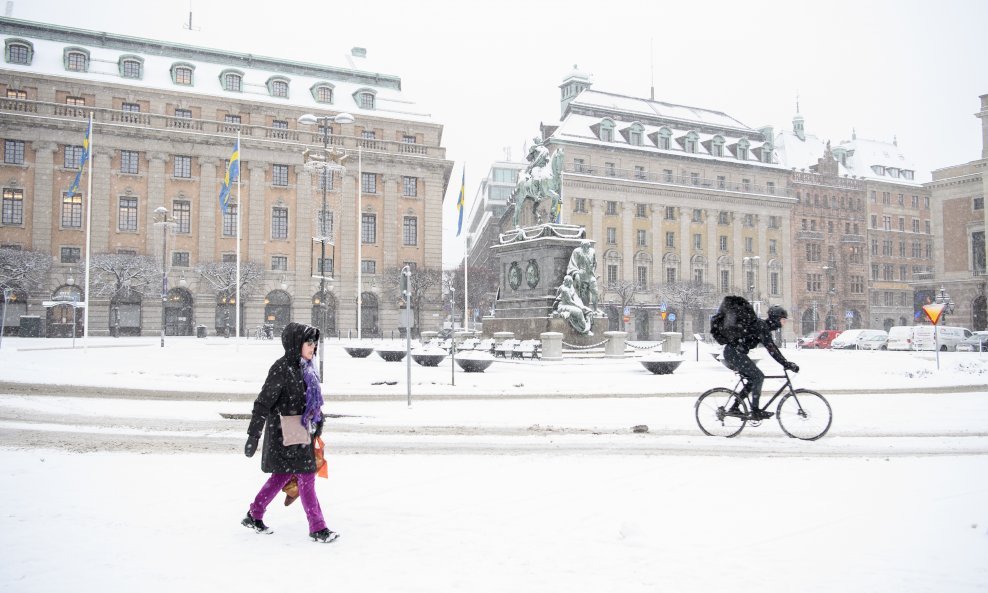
{"points": [[284, 393]]}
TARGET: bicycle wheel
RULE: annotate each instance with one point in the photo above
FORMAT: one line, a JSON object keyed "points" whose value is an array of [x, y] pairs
{"points": [[804, 414], [713, 416]]}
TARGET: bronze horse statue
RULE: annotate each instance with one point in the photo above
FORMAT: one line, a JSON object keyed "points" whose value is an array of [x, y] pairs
{"points": [[542, 179]]}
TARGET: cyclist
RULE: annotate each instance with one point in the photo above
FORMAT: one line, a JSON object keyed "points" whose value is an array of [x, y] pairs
{"points": [[736, 357]]}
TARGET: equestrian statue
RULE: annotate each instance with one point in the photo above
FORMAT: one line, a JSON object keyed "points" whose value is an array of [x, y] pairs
{"points": [[540, 180]]}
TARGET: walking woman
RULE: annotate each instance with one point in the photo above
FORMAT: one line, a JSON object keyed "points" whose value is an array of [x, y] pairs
{"points": [[290, 402]]}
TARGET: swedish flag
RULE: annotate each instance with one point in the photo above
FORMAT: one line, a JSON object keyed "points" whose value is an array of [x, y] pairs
{"points": [[461, 201], [74, 188], [232, 174]]}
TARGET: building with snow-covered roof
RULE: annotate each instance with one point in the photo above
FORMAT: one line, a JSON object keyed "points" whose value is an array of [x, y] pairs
{"points": [[958, 196], [166, 117], [671, 195]]}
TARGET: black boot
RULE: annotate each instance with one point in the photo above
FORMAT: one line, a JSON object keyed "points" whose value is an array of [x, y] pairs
{"points": [[756, 412], [255, 524], [324, 536]]}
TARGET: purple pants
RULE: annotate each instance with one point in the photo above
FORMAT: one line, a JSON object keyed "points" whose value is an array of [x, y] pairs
{"points": [[306, 492]]}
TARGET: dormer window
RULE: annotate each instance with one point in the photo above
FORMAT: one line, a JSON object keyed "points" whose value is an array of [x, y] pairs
{"points": [[322, 92], [605, 130], [907, 174], [278, 87], [743, 146], [18, 51], [892, 171], [691, 142], [232, 80], [878, 169], [182, 74], [663, 139], [76, 59], [633, 134], [717, 146], [131, 67], [365, 98]]}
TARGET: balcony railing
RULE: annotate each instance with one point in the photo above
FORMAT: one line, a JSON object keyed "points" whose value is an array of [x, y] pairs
{"points": [[678, 180], [169, 123]]}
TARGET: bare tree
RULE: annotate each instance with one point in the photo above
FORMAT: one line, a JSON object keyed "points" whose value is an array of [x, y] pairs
{"points": [[625, 290], [689, 297], [222, 276], [24, 269], [482, 283], [425, 287], [114, 276]]}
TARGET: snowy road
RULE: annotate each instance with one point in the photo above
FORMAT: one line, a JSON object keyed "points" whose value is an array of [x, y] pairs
{"points": [[865, 425]]}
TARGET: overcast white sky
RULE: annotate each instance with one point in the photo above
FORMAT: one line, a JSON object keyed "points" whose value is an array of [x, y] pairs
{"points": [[489, 71]]}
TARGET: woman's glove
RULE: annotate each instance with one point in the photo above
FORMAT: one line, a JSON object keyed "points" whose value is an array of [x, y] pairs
{"points": [[251, 446]]}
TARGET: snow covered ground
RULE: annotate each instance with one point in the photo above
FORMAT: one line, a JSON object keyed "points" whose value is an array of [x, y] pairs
{"points": [[526, 477]]}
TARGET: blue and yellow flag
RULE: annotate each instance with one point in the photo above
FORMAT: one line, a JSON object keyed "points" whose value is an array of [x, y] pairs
{"points": [[461, 201], [74, 188], [232, 174]]}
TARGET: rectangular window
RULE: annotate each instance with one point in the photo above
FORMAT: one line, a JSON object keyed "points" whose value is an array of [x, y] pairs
{"points": [[612, 273], [670, 239], [749, 220], [639, 172], [813, 282], [127, 215], [279, 175], [410, 231], [13, 206], [667, 175], [279, 223], [902, 224], [180, 259], [697, 215], [642, 277], [641, 211], [325, 224], [183, 167], [698, 276], [979, 203], [749, 244], [325, 180], [368, 183], [609, 169], [182, 213], [130, 162], [279, 263], [642, 238], [746, 184], [72, 211], [725, 280], [368, 228], [579, 165], [70, 255], [580, 205], [857, 284], [721, 182], [409, 186], [368, 266], [611, 208], [770, 187], [723, 218], [874, 271], [694, 178], [723, 243], [670, 275], [72, 157], [698, 242], [670, 213], [773, 247], [927, 225], [326, 265], [229, 258], [230, 221], [611, 235], [773, 283], [13, 152]]}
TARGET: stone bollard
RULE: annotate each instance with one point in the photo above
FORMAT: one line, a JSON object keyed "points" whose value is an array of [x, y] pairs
{"points": [[615, 344], [427, 337], [673, 342], [552, 345], [502, 336], [460, 335]]}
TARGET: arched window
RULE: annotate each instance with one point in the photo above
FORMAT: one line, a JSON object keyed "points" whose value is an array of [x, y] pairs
{"points": [[76, 59], [324, 313], [182, 73], [690, 142], [277, 310], [717, 146], [278, 87], [664, 139], [322, 92], [366, 98], [633, 134], [18, 51], [605, 130], [131, 67], [232, 80], [743, 146]]}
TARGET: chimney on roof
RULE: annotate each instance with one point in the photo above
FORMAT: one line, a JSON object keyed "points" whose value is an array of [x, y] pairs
{"points": [[359, 52]]}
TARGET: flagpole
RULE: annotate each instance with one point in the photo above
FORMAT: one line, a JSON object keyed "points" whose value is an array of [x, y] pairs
{"points": [[466, 258], [237, 307], [89, 236]]}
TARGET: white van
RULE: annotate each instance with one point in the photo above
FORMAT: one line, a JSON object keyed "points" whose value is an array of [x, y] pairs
{"points": [[900, 337], [949, 337]]}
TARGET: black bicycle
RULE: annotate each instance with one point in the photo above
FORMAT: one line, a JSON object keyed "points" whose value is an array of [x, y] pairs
{"points": [[802, 413]]}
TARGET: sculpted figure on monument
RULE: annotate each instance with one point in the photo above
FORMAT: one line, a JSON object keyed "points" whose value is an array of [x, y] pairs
{"points": [[541, 179], [570, 307], [581, 268]]}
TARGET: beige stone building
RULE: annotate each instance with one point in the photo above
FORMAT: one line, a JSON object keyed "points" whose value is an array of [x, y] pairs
{"points": [[958, 196], [166, 117], [672, 193]]}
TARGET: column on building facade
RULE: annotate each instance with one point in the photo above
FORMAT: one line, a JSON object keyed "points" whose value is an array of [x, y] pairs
{"points": [[208, 210], [257, 215], [712, 246], [629, 243], [102, 206], [391, 226], [345, 270], [301, 285], [738, 280], [657, 245], [685, 244], [157, 162], [41, 214], [761, 266], [596, 230]]}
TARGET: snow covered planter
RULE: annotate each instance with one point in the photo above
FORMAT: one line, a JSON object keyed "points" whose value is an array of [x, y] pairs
{"points": [[661, 363], [473, 361], [358, 351], [391, 355], [429, 356]]}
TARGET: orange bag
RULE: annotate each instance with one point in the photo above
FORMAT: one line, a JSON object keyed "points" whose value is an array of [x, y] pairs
{"points": [[320, 448]]}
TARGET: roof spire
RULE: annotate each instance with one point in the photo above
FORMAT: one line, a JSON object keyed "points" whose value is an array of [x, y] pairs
{"points": [[895, 140], [854, 134]]}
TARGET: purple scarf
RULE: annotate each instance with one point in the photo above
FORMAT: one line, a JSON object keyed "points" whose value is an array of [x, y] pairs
{"points": [[313, 395]]}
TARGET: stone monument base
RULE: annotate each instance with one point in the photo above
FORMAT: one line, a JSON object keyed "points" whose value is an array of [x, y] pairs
{"points": [[530, 328]]}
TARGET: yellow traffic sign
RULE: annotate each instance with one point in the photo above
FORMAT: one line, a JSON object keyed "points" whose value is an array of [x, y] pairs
{"points": [[933, 312]]}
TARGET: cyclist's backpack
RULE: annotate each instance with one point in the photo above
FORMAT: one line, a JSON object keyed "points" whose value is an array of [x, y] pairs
{"points": [[735, 319]]}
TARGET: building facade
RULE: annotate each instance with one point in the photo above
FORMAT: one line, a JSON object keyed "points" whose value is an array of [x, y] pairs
{"points": [[489, 204], [166, 118], [958, 196]]}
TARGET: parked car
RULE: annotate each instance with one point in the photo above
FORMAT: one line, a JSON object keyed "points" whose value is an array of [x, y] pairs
{"points": [[978, 342], [873, 339], [820, 339], [852, 339], [948, 337], [900, 337]]}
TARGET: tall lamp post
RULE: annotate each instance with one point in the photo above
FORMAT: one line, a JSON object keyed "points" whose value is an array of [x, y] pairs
{"points": [[164, 220], [327, 164], [750, 278]]}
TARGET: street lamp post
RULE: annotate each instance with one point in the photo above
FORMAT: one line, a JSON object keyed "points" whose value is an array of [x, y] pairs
{"points": [[326, 166], [750, 279], [3, 317], [162, 213]]}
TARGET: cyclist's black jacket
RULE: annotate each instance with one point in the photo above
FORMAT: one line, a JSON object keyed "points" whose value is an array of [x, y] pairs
{"points": [[759, 333]]}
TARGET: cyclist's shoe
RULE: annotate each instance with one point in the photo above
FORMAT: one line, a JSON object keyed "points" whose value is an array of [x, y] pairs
{"points": [[735, 410], [757, 414]]}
